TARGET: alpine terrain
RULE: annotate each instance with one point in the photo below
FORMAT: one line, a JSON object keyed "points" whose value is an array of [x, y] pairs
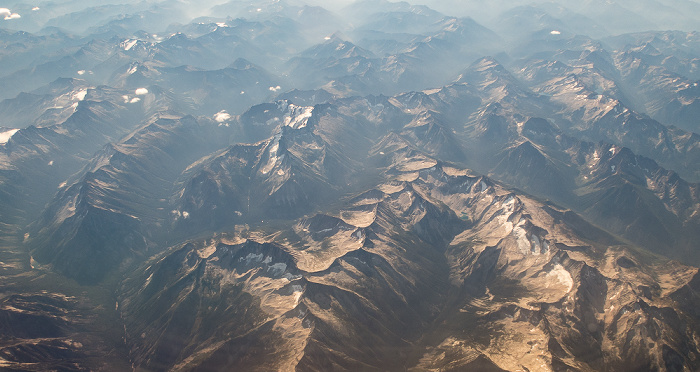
{"points": [[364, 185]]}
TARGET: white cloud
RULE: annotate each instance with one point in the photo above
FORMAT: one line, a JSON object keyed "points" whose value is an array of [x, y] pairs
{"points": [[135, 99], [222, 116], [555, 32], [7, 14], [141, 91], [275, 89], [35, 8], [81, 72]]}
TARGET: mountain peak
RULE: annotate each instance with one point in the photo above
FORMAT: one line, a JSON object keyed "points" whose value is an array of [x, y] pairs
{"points": [[487, 63], [242, 64]]}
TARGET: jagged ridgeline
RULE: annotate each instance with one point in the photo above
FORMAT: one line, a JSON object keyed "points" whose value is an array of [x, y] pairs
{"points": [[350, 186]]}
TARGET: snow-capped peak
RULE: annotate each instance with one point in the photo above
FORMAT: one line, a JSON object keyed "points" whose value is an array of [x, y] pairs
{"points": [[298, 116]]}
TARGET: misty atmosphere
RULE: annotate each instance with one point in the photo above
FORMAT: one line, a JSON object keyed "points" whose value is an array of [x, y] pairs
{"points": [[366, 185]]}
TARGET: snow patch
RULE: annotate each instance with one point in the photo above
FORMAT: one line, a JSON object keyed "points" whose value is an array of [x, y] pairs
{"points": [[452, 28], [251, 258], [5, 136], [564, 277], [277, 269], [298, 117], [507, 209], [536, 246], [521, 238], [273, 155], [129, 43], [291, 277], [80, 95], [141, 91], [132, 69], [222, 116], [298, 291]]}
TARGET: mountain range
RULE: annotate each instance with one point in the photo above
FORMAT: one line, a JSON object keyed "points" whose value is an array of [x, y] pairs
{"points": [[374, 187]]}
